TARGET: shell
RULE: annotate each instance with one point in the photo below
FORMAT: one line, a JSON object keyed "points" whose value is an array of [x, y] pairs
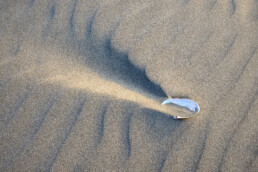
{"points": [[188, 104]]}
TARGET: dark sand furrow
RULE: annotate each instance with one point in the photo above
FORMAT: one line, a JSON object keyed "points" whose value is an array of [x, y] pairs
{"points": [[85, 12], [4, 84], [248, 143], [127, 139], [43, 116], [160, 169], [239, 71], [141, 24], [50, 17], [67, 130], [19, 27], [110, 16], [229, 47], [233, 7], [232, 135], [79, 110], [9, 108], [149, 48], [207, 39], [126, 38], [71, 19], [192, 141], [212, 4], [16, 48], [147, 125], [246, 64], [25, 139], [202, 145], [30, 3], [100, 129], [52, 132], [253, 164], [114, 147], [231, 115], [188, 77], [163, 158], [83, 140], [18, 104], [89, 25]]}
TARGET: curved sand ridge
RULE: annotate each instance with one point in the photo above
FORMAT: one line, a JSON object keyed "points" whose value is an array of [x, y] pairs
{"points": [[81, 83]]}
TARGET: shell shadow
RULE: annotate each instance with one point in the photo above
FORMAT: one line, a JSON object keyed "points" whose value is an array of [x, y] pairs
{"points": [[159, 125]]}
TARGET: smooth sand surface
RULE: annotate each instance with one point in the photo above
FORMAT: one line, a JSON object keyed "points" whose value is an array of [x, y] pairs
{"points": [[81, 83]]}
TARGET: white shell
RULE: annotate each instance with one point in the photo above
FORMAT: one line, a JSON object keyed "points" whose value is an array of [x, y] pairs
{"points": [[188, 104]]}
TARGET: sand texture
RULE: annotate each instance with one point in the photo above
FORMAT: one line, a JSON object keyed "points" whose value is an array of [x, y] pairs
{"points": [[81, 83]]}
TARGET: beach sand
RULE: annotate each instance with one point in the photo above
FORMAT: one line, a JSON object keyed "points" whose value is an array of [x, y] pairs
{"points": [[81, 83]]}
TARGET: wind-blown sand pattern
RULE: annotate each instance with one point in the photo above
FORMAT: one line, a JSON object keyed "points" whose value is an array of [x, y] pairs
{"points": [[81, 83]]}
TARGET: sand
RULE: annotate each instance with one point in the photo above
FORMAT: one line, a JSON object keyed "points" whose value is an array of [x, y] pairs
{"points": [[81, 83]]}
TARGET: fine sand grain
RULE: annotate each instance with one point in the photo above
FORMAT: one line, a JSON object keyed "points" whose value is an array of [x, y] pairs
{"points": [[81, 83]]}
